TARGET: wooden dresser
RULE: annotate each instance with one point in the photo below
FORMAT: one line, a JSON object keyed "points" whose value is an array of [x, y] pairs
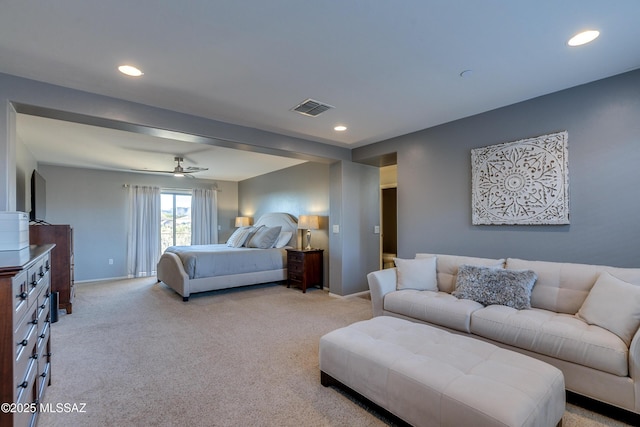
{"points": [[61, 259], [305, 268], [25, 340]]}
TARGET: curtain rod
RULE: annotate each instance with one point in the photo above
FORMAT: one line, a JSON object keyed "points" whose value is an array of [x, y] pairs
{"points": [[215, 188]]}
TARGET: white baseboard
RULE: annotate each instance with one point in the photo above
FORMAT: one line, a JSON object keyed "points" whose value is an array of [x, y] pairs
{"points": [[102, 279], [356, 295]]}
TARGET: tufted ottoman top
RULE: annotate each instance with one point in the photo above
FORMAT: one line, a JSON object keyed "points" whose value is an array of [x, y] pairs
{"points": [[431, 377]]}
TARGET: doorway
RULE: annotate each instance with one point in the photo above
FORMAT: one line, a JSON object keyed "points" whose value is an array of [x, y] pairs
{"points": [[389, 214]]}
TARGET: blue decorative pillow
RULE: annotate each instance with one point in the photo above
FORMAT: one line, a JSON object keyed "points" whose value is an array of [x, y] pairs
{"points": [[489, 286]]}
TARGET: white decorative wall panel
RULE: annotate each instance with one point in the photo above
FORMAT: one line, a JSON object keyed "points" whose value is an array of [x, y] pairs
{"points": [[521, 182]]}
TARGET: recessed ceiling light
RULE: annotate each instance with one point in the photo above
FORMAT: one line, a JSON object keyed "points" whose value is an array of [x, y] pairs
{"points": [[130, 70], [340, 128], [583, 38], [466, 73]]}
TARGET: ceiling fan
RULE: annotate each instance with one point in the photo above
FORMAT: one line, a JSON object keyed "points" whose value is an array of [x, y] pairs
{"points": [[178, 170]]}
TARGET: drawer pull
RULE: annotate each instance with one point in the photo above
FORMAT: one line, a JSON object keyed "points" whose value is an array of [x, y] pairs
{"points": [[43, 375], [43, 306], [23, 295], [41, 274], [24, 384], [24, 343], [34, 322], [42, 335], [34, 356]]}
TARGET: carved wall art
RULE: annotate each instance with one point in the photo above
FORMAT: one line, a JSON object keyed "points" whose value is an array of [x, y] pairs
{"points": [[523, 182]]}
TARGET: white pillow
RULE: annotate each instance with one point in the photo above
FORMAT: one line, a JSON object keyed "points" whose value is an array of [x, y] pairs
{"points": [[614, 305], [264, 238], [252, 231], [283, 239], [239, 236], [419, 273]]}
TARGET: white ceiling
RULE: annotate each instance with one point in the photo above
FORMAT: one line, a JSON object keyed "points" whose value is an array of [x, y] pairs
{"points": [[78, 145], [389, 68]]}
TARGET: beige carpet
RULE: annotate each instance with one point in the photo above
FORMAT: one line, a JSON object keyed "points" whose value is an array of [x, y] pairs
{"points": [[137, 355]]}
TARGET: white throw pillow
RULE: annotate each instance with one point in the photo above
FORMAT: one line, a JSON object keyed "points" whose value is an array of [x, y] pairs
{"points": [[614, 305], [283, 239], [419, 273], [264, 238], [239, 236]]}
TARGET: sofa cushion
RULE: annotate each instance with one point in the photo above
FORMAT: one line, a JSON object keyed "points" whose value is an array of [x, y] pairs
{"points": [[416, 274], [438, 308], [613, 304], [447, 268], [562, 287], [488, 285], [561, 336]]}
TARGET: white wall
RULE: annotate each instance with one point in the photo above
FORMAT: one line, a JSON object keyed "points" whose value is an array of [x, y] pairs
{"points": [[25, 164]]}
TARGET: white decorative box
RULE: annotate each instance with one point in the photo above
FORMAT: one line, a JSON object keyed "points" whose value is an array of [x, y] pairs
{"points": [[14, 231]]}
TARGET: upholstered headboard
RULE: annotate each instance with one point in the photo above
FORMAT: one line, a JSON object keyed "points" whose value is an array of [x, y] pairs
{"points": [[284, 220]]}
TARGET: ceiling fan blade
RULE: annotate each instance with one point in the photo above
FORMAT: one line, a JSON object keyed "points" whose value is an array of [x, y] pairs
{"points": [[151, 170], [195, 169]]}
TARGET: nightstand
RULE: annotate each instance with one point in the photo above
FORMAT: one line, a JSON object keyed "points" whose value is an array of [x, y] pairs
{"points": [[304, 268]]}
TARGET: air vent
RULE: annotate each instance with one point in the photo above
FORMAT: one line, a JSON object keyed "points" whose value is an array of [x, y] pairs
{"points": [[311, 107]]}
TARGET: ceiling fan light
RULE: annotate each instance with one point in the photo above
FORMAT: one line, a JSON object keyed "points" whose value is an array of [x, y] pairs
{"points": [[178, 174]]}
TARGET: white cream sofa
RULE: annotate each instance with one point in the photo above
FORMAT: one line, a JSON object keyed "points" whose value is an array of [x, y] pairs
{"points": [[595, 362]]}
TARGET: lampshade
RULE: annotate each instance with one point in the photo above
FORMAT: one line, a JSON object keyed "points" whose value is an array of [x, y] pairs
{"points": [[242, 221], [309, 222]]}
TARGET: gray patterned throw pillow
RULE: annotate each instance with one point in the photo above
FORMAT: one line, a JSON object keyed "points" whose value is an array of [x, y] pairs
{"points": [[495, 286]]}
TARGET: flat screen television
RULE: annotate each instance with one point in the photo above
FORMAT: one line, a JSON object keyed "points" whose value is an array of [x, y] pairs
{"points": [[38, 197]]}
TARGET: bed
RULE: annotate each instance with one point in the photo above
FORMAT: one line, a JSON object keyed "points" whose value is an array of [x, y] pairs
{"points": [[201, 268]]}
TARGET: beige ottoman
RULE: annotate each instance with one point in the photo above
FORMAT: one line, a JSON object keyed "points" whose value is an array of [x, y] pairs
{"points": [[430, 377]]}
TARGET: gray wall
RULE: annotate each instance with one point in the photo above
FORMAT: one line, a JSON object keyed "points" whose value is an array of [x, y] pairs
{"points": [[94, 203], [345, 194], [603, 122], [355, 209], [299, 190]]}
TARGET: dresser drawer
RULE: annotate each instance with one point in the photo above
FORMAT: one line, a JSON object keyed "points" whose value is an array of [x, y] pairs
{"points": [[27, 388], [44, 371], [43, 340], [295, 277], [295, 267], [35, 276], [24, 362], [43, 311], [20, 293], [23, 330], [294, 257]]}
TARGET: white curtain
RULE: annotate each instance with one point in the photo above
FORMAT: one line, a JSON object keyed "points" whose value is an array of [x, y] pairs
{"points": [[143, 249], [204, 216]]}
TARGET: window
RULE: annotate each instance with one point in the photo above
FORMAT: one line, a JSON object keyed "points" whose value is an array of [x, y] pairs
{"points": [[175, 227]]}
